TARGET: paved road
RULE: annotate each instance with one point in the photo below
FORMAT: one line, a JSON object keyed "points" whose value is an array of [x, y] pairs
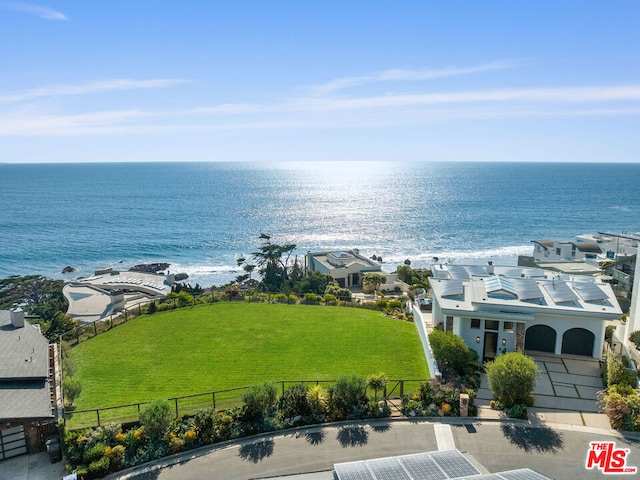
{"points": [[557, 451]]}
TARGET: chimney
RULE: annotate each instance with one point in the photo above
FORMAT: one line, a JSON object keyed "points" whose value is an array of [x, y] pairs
{"points": [[490, 267], [17, 317]]}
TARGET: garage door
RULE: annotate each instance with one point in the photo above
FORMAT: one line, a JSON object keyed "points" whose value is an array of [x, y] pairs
{"points": [[12, 442], [578, 341], [540, 338]]}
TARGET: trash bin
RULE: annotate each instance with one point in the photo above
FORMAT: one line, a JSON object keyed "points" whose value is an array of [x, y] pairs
{"points": [[53, 449]]}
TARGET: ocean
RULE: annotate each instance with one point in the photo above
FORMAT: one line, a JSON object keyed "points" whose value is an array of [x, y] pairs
{"points": [[200, 217]]}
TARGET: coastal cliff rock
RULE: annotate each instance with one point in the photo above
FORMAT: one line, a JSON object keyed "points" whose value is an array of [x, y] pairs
{"points": [[149, 267]]}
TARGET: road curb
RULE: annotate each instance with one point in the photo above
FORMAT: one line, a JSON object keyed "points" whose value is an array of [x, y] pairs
{"points": [[178, 458]]}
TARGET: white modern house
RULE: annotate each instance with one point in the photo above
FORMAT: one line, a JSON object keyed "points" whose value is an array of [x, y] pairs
{"points": [[501, 309], [347, 267], [633, 322], [554, 251]]}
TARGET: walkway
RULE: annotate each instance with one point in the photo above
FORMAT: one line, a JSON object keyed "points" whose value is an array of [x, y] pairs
{"points": [[565, 391]]}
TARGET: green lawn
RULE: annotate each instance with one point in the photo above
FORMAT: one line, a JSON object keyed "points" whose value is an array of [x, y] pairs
{"points": [[219, 346]]}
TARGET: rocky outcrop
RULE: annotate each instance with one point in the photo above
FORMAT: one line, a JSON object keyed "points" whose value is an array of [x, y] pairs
{"points": [[150, 267], [68, 269]]}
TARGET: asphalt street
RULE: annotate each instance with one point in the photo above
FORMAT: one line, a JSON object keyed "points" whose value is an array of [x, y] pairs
{"points": [[559, 451]]}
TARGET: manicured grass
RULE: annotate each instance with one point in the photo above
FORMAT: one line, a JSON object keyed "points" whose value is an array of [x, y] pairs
{"points": [[219, 346]]}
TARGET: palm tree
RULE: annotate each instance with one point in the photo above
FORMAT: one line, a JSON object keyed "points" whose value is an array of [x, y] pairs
{"points": [[377, 382]]}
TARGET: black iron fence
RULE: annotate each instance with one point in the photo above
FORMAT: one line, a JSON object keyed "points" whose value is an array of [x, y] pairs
{"points": [[217, 399]]}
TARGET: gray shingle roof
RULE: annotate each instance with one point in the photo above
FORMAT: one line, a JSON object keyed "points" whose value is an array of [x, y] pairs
{"points": [[24, 369], [25, 400], [24, 352]]}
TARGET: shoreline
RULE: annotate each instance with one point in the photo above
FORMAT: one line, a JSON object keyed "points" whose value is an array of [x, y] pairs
{"points": [[207, 275]]}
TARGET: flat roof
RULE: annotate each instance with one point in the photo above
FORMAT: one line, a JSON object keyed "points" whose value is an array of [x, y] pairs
{"points": [[566, 293]]}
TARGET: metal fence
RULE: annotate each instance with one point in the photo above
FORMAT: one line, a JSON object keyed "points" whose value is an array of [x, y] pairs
{"points": [[218, 400]]}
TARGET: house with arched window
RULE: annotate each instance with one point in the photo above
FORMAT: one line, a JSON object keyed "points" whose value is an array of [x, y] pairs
{"points": [[501, 309]]}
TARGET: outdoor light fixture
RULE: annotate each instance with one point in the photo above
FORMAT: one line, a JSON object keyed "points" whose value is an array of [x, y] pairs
{"points": [[504, 342], [477, 339]]}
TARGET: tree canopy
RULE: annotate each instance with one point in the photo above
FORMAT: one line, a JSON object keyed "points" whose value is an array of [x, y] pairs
{"points": [[272, 261]]}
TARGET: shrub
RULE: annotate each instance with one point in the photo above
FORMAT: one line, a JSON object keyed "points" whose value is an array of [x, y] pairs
{"points": [[71, 388], [152, 308], [330, 299], [156, 417], [310, 299], [451, 352], [348, 397], [382, 304], [99, 468], [259, 401], [512, 377], [518, 410], [635, 338], [343, 294], [615, 369], [116, 456], [280, 298], [190, 437], [176, 444], [318, 400], [294, 402]]}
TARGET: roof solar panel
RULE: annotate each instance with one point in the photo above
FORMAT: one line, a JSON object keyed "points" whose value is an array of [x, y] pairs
{"points": [[441, 465], [421, 465], [476, 270], [560, 292], [495, 284], [387, 469], [454, 464], [452, 288], [590, 291], [458, 272], [513, 272], [523, 474], [353, 471], [533, 272], [527, 289]]}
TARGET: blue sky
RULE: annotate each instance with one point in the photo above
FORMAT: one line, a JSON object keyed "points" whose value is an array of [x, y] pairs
{"points": [[112, 80]]}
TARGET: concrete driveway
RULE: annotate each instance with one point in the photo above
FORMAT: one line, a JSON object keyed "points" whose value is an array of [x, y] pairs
{"points": [[566, 390]]}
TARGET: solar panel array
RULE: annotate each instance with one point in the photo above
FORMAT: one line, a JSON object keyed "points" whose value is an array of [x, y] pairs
{"points": [[590, 291], [522, 474], [560, 292], [496, 284], [527, 289], [458, 272], [452, 288], [476, 270], [432, 466]]}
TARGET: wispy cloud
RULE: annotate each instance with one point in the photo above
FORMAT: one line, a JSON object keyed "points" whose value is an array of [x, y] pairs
{"points": [[42, 12], [85, 88], [30, 119], [408, 75], [552, 95]]}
